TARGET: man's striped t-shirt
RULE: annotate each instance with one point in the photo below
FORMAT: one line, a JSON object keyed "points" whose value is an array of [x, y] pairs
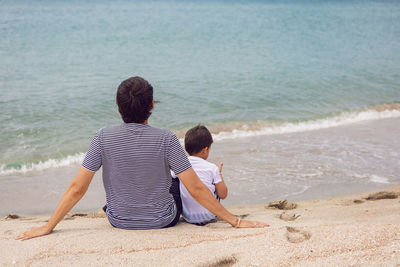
{"points": [[136, 161]]}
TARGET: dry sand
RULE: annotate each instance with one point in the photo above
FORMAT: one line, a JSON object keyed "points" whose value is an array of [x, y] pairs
{"points": [[340, 231]]}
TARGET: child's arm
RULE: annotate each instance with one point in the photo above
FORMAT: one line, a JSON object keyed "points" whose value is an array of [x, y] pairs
{"points": [[221, 188]]}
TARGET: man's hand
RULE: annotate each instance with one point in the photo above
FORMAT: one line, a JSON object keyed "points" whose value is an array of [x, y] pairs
{"points": [[251, 224], [74, 193], [39, 231]]}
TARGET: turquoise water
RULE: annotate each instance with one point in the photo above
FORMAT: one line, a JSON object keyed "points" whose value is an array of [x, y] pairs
{"points": [[213, 62]]}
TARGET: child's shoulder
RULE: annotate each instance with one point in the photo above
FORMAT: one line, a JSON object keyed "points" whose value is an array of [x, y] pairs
{"points": [[204, 163], [211, 165]]}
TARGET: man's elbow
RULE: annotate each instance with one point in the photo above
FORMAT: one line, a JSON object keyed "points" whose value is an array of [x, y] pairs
{"points": [[222, 194], [195, 191], [77, 190]]}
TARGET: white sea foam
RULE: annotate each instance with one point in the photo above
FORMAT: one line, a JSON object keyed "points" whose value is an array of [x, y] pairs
{"points": [[344, 118], [379, 179], [43, 165]]}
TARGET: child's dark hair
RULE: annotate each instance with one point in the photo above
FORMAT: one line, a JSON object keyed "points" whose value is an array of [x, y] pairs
{"points": [[197, 138], [134, 100]]}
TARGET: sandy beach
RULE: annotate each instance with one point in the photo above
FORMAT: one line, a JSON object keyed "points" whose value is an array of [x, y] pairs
{"points": [[302, 99], [341, 231]]}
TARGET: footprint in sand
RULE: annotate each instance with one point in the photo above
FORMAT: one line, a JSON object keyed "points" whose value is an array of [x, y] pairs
{"points": [[9, 232], [294, 235], [288, 216], [383, 195], [11, 217], [224, 262], [282, 205]]}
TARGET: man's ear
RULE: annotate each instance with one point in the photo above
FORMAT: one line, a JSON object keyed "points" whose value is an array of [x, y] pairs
{"points": [[152, 105]]}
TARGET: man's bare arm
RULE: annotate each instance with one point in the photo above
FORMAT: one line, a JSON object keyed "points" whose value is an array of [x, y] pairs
{"points": [[203, 195], [72, 195]]}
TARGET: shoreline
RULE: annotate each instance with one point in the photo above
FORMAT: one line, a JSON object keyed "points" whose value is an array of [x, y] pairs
{"points": [[341, 230], [234, 130], [296, 166]]}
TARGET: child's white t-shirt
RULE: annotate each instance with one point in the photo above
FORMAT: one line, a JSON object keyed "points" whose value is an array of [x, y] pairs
{"points": [[208, 173]]}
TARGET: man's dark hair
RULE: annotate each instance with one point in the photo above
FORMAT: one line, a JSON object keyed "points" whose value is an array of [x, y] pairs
{"points": [[134, 98], [197, 138]]}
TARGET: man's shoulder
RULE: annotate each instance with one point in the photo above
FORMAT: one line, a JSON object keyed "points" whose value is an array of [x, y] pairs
{"points": [[161, 131], [109, 129], [104, 129], [136, 127]]}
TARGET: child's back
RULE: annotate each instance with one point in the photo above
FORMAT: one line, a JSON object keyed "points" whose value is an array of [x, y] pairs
{"points": [[198, 142], [208, 173]]}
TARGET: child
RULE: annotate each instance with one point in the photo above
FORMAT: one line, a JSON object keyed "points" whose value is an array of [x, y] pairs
{"points": [[198, 142]]}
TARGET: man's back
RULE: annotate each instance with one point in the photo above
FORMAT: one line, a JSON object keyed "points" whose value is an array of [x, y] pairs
{"points": [[136, 160]]}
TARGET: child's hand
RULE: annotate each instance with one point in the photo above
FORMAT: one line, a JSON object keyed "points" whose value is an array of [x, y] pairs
{"points": [[220, 167]]}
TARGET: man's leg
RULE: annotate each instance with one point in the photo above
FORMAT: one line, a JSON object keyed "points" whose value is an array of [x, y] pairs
{"points": [[175, 192]]}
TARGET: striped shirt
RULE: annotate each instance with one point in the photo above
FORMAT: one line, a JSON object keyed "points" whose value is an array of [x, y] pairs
{"points": [[136, 161]]}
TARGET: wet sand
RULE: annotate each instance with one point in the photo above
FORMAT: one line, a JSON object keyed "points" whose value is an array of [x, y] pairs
{"points": [[339, 231]]}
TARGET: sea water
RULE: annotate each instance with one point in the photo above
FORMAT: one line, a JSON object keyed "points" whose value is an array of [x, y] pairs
{"points": [[246, 69]]}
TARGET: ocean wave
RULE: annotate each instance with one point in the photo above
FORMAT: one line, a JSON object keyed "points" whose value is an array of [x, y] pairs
{"points": [[42, 165], [344, 118], [235, 131]]}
